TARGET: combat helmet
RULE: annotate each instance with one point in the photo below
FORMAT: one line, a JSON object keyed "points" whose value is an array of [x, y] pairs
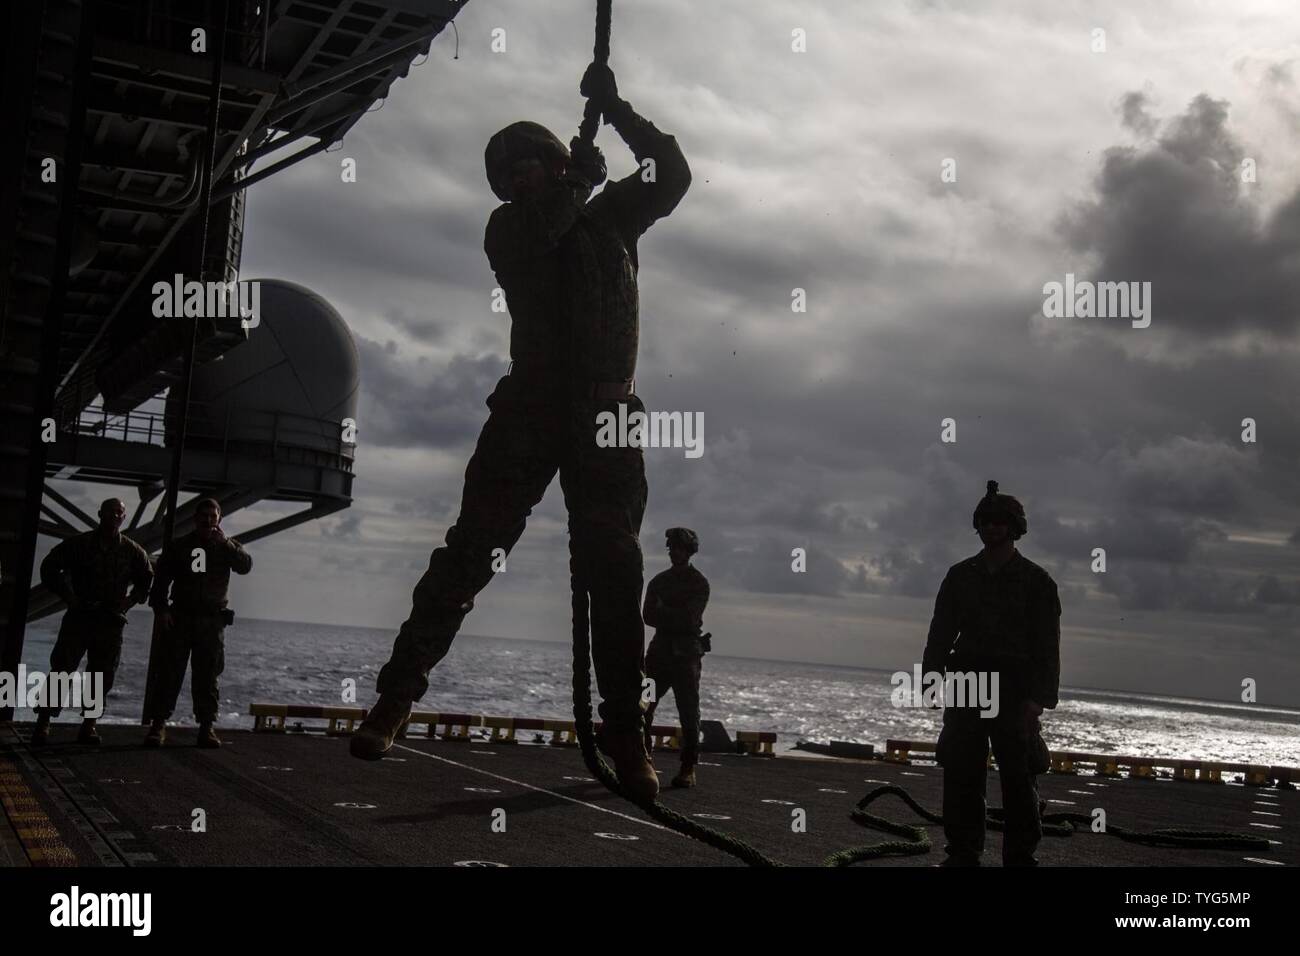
{"points": [[997, 504], [522, 140], [683, 538]]}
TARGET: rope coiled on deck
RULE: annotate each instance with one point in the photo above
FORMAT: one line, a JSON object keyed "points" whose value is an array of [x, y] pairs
{"points": [[1054, 824]]}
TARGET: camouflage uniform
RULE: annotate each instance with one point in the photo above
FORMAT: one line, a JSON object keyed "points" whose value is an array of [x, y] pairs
{"points": [[96, 569], [198, 603], [1008, 622], [568, 270], [674, 606]]}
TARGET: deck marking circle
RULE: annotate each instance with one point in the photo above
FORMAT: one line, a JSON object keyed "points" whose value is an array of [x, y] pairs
{"points": [[549, 793], [481, 790], [617, 836], [784, 803], [169, 826], [909, 773], [115, 780], [486, 753], [1255, 859], [704, 764], [711, 816], [830, 790], [582, 779], [357, 806], [478, 863], [267, 766]]}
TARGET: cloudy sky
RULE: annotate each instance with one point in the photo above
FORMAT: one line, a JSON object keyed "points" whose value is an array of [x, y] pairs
{"points": [[821, 170]]}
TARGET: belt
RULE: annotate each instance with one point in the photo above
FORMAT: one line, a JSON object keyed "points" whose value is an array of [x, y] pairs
{"points": [[597, 391]]}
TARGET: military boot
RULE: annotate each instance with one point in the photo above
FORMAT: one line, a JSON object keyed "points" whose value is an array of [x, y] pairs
{"points": [[41, 732], [383, 722], [208, 738], [157, 734], [88, 734], [635, 771], [686, 778]]}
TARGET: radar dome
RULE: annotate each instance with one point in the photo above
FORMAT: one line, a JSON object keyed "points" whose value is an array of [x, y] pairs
{"points": [[291, 382]]}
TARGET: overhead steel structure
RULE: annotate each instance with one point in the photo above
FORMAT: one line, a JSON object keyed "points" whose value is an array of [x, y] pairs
{"points": [[128, 145]]}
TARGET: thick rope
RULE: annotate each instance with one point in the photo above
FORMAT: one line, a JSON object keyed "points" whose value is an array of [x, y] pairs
{"points": [[587, 738], [1054, 824], [591, 113], [579, 585]]}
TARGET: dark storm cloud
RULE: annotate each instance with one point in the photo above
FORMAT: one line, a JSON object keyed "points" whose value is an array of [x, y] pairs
{"points": [[345, 528], [769, 569], [413, 402], [1150, 587], [436, 507], [1129, 533], [1273, 591], [439, 241], [1176, 214], [1208, 477], [1134, 115]]}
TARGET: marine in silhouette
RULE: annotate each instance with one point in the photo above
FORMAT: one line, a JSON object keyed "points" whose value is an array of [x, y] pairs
{"points": [[568, 268], [91, 573], [674, 606], [194, 620], [996, 612]]}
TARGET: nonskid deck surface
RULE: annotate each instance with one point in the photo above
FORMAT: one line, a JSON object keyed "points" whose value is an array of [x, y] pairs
{"points": [[300, 799]]}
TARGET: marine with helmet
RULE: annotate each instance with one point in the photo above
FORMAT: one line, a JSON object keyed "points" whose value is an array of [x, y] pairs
{"points": [[674, 606], [568, 269], [996, 613], [92, 573]]}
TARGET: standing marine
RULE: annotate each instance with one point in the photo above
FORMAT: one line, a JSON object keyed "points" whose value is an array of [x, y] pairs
{"points": [[196, 569], [91, 573], [674, 606], [568, 269], [997, 612]]}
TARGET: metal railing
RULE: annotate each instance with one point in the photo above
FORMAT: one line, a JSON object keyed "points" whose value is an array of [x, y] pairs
{"points": [[233, 428]]}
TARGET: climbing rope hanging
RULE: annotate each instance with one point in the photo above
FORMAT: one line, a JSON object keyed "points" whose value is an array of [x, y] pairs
{"points": [[591, 113], [580, 586], [916, 840]]}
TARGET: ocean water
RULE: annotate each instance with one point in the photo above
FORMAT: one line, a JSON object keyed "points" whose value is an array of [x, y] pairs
{"points": [[281, 662]]}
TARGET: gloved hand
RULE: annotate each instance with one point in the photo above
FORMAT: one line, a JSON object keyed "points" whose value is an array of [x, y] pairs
{"points": [[598, 85], [587, 161]]}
